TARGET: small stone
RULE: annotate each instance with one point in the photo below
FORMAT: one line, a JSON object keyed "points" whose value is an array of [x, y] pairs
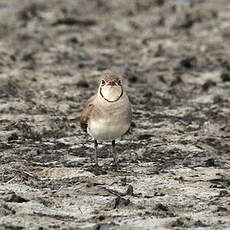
{"points": [[16, 198], [208, 84], [13, 137], [130, 190], [188, 62], [162, 207], [225, 76]]}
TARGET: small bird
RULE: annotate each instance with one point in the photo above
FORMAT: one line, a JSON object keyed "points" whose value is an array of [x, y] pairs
{"points": [[107, 115]]}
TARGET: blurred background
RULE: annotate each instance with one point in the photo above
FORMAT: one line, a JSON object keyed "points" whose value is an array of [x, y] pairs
{"points": [[64, 45]]}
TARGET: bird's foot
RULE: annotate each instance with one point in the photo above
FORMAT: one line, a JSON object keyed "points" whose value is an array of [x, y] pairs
{"points": [[96, 165], [114, 164]]}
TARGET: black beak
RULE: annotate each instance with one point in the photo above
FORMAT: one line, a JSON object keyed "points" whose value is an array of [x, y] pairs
{"points": [[113, 83]]}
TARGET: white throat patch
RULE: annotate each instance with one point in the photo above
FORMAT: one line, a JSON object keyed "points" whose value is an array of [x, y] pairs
{"points": [[111, 93]]}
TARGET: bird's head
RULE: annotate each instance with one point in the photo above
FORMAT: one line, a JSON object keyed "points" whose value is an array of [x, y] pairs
{"points": [[111, 88]]}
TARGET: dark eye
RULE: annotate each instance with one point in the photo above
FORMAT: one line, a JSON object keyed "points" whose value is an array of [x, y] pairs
{"points": [[119, 82], [102, 82]]}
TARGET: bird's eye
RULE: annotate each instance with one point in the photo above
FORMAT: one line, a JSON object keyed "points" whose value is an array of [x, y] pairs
{"points": [[102, 82], [119, 82]]}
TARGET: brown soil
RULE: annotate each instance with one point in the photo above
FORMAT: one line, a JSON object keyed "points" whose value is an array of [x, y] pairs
{"points": [[174, 168]]}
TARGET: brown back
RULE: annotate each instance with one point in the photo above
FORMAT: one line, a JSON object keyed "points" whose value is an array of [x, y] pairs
{"points": [[86, 114]]}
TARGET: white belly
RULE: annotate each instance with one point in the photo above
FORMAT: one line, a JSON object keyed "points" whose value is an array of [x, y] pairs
{"points": [[101, 131]]}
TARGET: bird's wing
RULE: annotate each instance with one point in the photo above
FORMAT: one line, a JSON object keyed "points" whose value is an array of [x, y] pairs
{"points": [[86, 113]]}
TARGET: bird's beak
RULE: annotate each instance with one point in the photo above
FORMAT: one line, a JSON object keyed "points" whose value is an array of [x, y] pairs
{"points": [[112, 83]]}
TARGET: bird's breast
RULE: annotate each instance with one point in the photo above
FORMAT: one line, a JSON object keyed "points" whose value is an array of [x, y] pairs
{"points": [[107, 130]]}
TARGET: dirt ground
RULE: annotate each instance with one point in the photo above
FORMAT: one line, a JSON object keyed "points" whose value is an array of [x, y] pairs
{"points": [[174, 168]]}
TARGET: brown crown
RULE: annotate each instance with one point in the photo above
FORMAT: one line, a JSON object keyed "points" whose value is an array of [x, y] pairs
{"points": [[111, 77]]}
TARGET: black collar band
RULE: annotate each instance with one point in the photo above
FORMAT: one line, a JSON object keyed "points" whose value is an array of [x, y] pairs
{"points": [[114, 100]]}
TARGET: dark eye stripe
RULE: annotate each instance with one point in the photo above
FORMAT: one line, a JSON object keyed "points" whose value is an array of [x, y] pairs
{"points": [[119, 82], [102, 82]]}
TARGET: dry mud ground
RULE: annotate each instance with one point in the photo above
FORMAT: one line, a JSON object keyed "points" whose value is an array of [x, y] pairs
{"points": [[175, 163]]}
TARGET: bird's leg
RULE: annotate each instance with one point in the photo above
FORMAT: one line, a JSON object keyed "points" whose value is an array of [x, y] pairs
{"points": [[115, 159], [95, 147]]}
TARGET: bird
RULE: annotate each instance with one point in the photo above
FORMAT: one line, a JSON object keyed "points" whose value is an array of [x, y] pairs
{"points": [[107, 115]]}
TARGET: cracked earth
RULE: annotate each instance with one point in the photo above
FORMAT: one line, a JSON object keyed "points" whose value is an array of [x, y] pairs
{"points": [[174, 168]]}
